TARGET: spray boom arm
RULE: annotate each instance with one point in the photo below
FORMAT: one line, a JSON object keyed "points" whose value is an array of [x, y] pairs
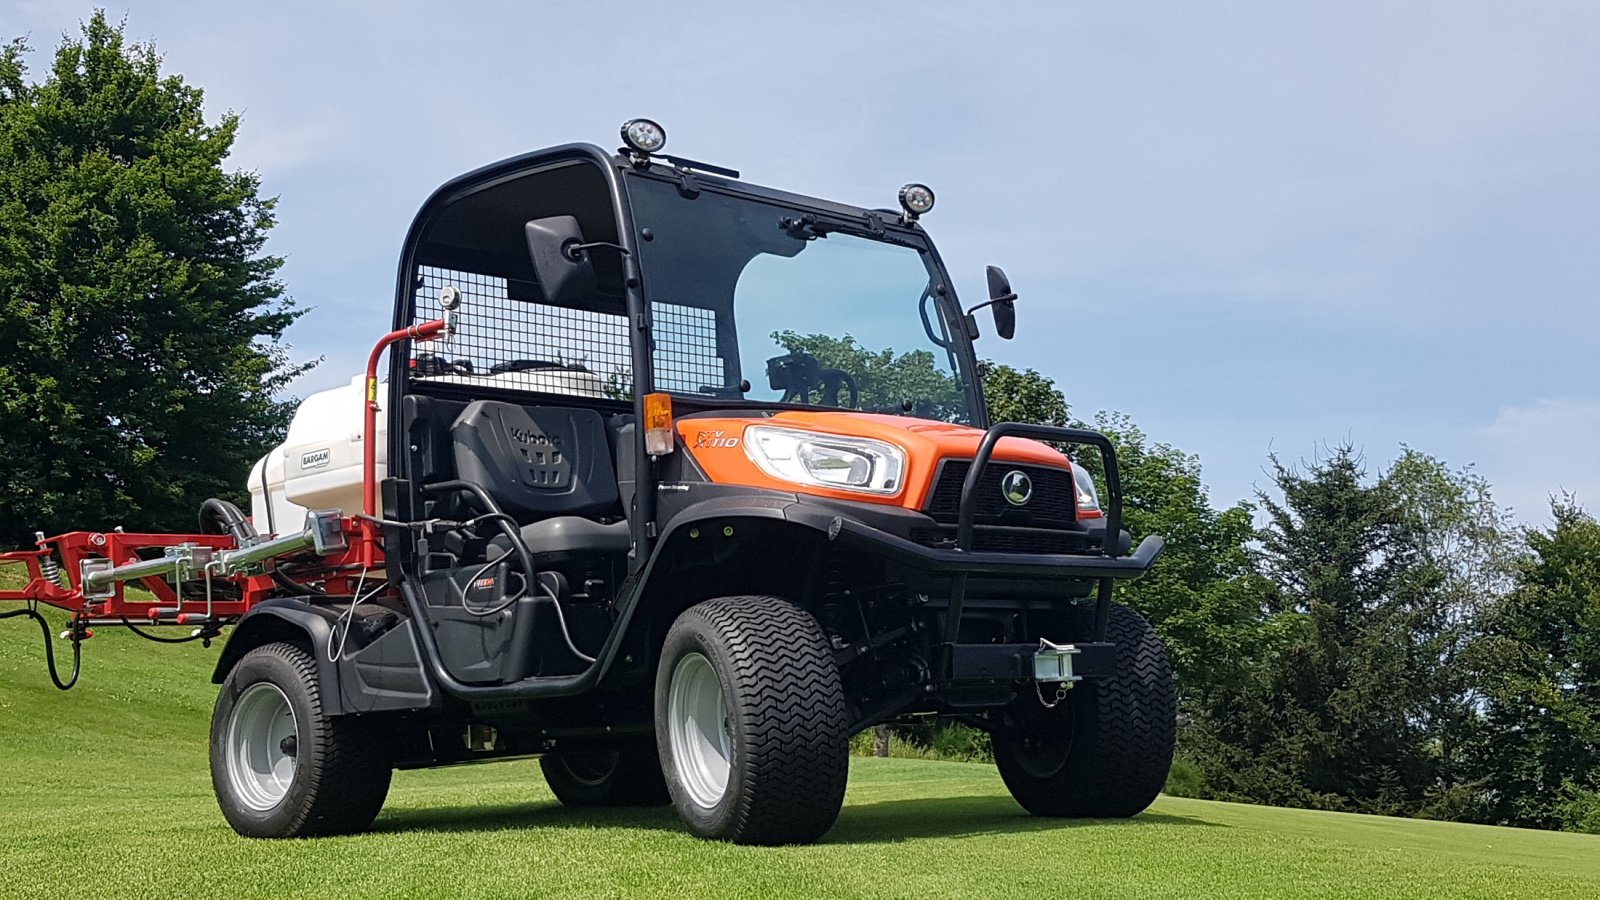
{"points": [[207, 581]]}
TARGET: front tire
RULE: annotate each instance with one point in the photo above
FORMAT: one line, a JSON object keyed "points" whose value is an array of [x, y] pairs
{"points": [[629, 776], [1105, 751], [280, 767], [751, 722]]}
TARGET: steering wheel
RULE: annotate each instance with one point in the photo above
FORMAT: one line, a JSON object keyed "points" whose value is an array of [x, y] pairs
{"points": [[798, 373], [832, 381]]}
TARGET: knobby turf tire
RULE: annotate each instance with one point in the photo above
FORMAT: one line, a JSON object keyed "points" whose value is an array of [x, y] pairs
{"points": [[786, 715], [1119, 732], [628, 776], [341, 774]]}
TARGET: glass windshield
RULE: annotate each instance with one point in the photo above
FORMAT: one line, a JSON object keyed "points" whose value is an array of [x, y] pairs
{"points": [[803, 313]]}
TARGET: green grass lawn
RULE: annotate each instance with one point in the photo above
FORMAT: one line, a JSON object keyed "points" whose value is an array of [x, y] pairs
{"points": [[106, 794]]}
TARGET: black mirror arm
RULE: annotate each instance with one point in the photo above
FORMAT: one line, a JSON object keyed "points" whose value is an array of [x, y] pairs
{"points": [[574, 251], [1004, 298]]}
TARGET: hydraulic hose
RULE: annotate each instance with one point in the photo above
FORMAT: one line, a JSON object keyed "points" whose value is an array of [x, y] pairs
{"points": [[158, 638], [50, 650], [221, 517]]}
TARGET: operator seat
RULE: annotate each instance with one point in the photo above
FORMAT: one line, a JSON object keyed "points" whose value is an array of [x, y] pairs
{"points": [[549, 468]]}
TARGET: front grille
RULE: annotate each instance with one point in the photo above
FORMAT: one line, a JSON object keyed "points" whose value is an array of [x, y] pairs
{"points": [[999, 539], [1054, 503]]}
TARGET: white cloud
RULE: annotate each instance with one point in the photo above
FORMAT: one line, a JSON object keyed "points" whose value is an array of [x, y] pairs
{"points": [[1544, 448]]}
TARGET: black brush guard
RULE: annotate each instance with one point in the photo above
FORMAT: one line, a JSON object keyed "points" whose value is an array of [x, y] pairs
{"points": [[979, 662]]}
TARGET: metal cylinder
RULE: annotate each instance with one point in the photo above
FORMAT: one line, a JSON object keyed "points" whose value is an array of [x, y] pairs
{"points": [[322, 534], [145, 569], [233, 560]]}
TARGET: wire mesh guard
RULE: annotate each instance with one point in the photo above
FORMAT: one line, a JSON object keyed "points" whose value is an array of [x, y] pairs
{"points": [[511, 343]]}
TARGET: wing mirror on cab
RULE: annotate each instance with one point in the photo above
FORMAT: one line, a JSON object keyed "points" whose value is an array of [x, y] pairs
{"points": [[1002, 302], [560, 259]]}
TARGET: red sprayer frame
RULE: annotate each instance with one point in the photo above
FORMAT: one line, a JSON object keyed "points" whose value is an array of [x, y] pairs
{"points": [[207, 601], [231, 595]]}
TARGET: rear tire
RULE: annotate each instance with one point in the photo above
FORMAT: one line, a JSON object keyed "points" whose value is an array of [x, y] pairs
{"points": [[629, 776], [751, 722], [1105, 751], [280, 767]]}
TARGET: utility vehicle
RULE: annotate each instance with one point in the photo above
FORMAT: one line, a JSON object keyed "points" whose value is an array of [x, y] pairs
{"points": [[676, 483]]}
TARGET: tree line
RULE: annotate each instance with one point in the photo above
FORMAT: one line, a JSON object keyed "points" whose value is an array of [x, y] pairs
{"points": [[1384, 642]]}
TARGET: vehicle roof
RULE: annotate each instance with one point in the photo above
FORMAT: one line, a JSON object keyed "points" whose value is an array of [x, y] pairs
{"points": [[511, 166]]}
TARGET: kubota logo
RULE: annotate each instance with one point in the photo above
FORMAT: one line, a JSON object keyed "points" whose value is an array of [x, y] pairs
{"points": [[1016, 487]]}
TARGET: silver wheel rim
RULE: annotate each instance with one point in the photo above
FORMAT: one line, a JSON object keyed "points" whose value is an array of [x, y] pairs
{"points": [[260, 754], [699, 730]]}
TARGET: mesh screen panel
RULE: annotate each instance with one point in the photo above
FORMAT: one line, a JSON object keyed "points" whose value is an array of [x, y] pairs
{"points": [[686, 349], [494, 329]]}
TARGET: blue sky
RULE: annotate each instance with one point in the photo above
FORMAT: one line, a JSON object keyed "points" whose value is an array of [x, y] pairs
{"points": [[1253, 227]]}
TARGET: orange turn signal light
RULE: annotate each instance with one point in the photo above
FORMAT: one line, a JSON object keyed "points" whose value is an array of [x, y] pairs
{"points": [[658, 424]]}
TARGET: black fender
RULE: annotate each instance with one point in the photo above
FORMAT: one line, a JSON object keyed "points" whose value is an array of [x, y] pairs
{"points": [[294, 621], [786, 521]]}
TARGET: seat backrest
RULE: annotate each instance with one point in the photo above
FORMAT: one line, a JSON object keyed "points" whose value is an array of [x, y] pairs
{"points": [[537, 461]]}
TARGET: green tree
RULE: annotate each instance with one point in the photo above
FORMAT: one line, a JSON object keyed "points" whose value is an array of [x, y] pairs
{"points": [[1471, 551], [1335, 716], [1023, 396], [1538, 660], [139, 318]]}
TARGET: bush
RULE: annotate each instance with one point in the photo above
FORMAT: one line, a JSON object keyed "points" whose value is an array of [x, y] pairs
{"points": [[938, 739], [1581, 810], [1185, 780]]}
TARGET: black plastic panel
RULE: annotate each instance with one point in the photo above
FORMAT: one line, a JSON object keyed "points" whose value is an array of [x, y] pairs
{"points": [[537, 461], [1054, 501]]}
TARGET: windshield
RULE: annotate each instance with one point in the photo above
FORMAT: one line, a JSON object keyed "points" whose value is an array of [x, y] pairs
{"points": [[747, 291]]}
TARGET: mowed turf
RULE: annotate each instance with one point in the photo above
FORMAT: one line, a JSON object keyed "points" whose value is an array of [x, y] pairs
{"points": [[104, 792]]}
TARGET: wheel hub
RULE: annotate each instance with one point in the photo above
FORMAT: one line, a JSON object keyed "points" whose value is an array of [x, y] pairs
{"points": [[261, 746], [699, 730]]}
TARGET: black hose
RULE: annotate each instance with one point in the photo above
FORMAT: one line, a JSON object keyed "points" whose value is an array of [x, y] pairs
{"points": [[294, 587], [157, 638], [221, 517], [50, 650]]}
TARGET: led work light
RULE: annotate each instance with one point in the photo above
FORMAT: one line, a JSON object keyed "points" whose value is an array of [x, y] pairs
{"points": [[916, 200], [644, 136]]}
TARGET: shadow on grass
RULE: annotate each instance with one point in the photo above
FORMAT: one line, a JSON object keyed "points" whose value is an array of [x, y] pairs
{"points": [[884, 822], [514, 816], [889, 821]]}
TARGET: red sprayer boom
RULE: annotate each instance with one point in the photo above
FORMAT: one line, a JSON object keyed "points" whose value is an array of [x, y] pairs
{"points": [[204, 582]]}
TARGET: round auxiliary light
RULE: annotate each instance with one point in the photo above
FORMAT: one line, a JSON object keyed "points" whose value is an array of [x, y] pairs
{"points": [[916, 199], [643, 136]]}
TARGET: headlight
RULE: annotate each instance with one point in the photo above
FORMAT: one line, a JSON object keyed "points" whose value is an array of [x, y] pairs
{"points": [[1084, 485], [826, 460]]}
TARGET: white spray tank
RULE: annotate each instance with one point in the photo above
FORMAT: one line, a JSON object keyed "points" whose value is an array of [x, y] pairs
{"points": [[318, 465]]}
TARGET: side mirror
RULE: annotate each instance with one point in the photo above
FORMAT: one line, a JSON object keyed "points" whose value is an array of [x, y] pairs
{"points": [[1003, 302], [560, 260]]}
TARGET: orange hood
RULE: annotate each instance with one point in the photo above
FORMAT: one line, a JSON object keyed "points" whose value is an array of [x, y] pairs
{"points": [[717, 444]]}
